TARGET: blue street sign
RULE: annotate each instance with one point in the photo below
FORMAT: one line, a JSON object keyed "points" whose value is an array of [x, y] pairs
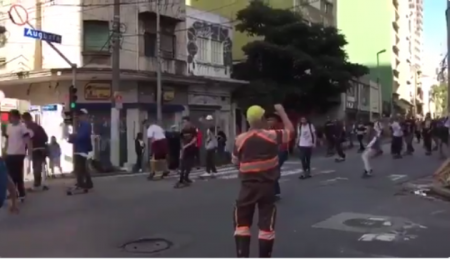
{"points": [[42, 35], [50, 107]]}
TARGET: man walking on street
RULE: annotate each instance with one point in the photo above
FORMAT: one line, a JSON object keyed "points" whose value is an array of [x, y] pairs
{"points": [[397, 138], [39, 141], [274, 123], [409, 130], [339, 137], [158, 145], [18, 139], [82, 143], [255, 153]]}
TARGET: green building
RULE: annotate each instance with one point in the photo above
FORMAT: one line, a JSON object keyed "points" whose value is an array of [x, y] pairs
{"points": [[371, 30]]}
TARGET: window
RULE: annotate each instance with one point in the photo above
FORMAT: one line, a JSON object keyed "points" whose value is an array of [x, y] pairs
{"points": [[209, 51], [167, 45], [328, 8], [202, 50], [216, 53], [96, 36]]}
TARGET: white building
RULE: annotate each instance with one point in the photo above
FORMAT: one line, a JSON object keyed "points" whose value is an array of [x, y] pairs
{"points": [[407, 50], [34, 71]]}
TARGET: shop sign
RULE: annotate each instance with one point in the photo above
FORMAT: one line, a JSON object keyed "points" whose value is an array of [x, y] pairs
{"points": [[97, 92]]}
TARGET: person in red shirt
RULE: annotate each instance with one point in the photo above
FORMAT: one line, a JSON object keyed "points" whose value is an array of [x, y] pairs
{"points": [[274, 122], [199, 145]]}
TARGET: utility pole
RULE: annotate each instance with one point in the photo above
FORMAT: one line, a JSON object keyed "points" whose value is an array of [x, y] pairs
{"points": [[447, 15], [115, 85], [158, 71], [416, 72]]}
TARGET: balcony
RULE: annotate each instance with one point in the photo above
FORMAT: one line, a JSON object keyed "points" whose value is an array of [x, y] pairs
{"points": [[395, 26], [395, 49], [170, 66], [176, 10], [395, 73], [395, 3]]}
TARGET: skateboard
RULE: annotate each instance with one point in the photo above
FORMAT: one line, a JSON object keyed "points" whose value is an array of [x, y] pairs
{"points": [[40, 189], [73, 191], [179, 185], [153, 177], [204, 177]]}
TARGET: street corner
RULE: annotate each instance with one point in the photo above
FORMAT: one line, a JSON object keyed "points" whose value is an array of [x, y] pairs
{"points": [[373, 228]]}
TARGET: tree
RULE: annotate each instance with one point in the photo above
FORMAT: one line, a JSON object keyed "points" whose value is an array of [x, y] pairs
{"points": [[440, 97], [304, 66]]}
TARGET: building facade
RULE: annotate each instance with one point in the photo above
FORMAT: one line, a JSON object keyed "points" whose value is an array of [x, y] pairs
{"points": [[320, 11], [34, 71], [394, 58]]}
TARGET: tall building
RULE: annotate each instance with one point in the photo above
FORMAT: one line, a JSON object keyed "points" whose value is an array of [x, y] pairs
{"points": [[389, 43], [315, 11]]}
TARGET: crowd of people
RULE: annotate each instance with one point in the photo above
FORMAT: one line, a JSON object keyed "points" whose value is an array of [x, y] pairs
{"points": [[27, 139], [180, 150]]}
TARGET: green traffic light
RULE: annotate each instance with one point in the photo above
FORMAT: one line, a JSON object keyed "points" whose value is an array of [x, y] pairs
{"points": [[72, 105]]}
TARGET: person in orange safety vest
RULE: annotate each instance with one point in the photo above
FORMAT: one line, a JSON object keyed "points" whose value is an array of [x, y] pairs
{"points": [[256, 155]]}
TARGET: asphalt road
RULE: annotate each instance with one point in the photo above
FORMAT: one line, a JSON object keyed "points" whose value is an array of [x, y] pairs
{"points": [[334, 214]]}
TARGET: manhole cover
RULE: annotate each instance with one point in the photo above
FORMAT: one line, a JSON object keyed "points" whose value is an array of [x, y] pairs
{"points": [[147, 245], [364, 223]]}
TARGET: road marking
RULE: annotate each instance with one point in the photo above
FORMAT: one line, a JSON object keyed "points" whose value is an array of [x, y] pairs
{"points": [[329, 181], [283, 173], [396, 177], [326, 172], [386, 237]]}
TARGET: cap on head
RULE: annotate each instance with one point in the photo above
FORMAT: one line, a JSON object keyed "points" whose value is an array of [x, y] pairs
{"points": [[255, 113], [83, 111]]}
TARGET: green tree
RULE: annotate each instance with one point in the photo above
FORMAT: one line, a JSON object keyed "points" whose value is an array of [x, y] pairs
{"points": [[440, 97], [304, 66]]}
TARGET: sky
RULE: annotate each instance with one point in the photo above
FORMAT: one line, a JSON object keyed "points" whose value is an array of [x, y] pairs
{"points": [[435, 30]]}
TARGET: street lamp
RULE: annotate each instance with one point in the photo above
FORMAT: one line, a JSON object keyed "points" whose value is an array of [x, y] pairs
{"points": [[378, 72]]}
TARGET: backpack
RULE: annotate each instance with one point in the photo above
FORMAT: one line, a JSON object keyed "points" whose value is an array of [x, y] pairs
{"points": [[40, 138], [312, 135], [3, 182]]}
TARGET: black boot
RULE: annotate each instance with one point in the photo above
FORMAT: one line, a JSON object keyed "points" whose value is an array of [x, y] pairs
{"points": [[242, 246], [265, 248]]}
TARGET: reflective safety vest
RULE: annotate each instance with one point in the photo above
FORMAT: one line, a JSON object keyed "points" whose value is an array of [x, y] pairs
{"points": [[256, 151]]}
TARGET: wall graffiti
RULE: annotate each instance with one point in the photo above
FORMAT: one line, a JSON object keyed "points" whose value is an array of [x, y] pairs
{"points": [[212, 31]]}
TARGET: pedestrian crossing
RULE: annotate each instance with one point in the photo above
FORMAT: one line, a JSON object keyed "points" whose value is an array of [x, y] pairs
{"points": [[230, 173]]}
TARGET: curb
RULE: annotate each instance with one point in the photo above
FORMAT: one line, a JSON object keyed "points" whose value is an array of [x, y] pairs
{"points": [[441, 191]]}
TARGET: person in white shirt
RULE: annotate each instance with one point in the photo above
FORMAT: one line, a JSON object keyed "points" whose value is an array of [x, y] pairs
{"points": [[159, 149], [370, 150], [306, 141], [18, 142], [397, 138], [378, 127]]}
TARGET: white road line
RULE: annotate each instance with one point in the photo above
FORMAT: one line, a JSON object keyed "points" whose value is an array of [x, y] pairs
{"points": [[396, 177]]}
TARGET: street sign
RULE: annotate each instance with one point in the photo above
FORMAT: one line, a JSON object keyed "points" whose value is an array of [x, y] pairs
{"points": [[50, 107], [18, 15], [118, 102], [42, 35]]}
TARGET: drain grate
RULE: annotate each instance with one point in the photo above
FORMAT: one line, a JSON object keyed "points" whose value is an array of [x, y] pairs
{"points": [[147, 245]]}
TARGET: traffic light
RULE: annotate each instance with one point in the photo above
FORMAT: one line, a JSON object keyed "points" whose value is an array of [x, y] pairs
{"points": [[72, 98]]}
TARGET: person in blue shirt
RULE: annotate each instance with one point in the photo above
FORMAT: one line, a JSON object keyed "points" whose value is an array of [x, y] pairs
{"points": [[81, 141]]}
